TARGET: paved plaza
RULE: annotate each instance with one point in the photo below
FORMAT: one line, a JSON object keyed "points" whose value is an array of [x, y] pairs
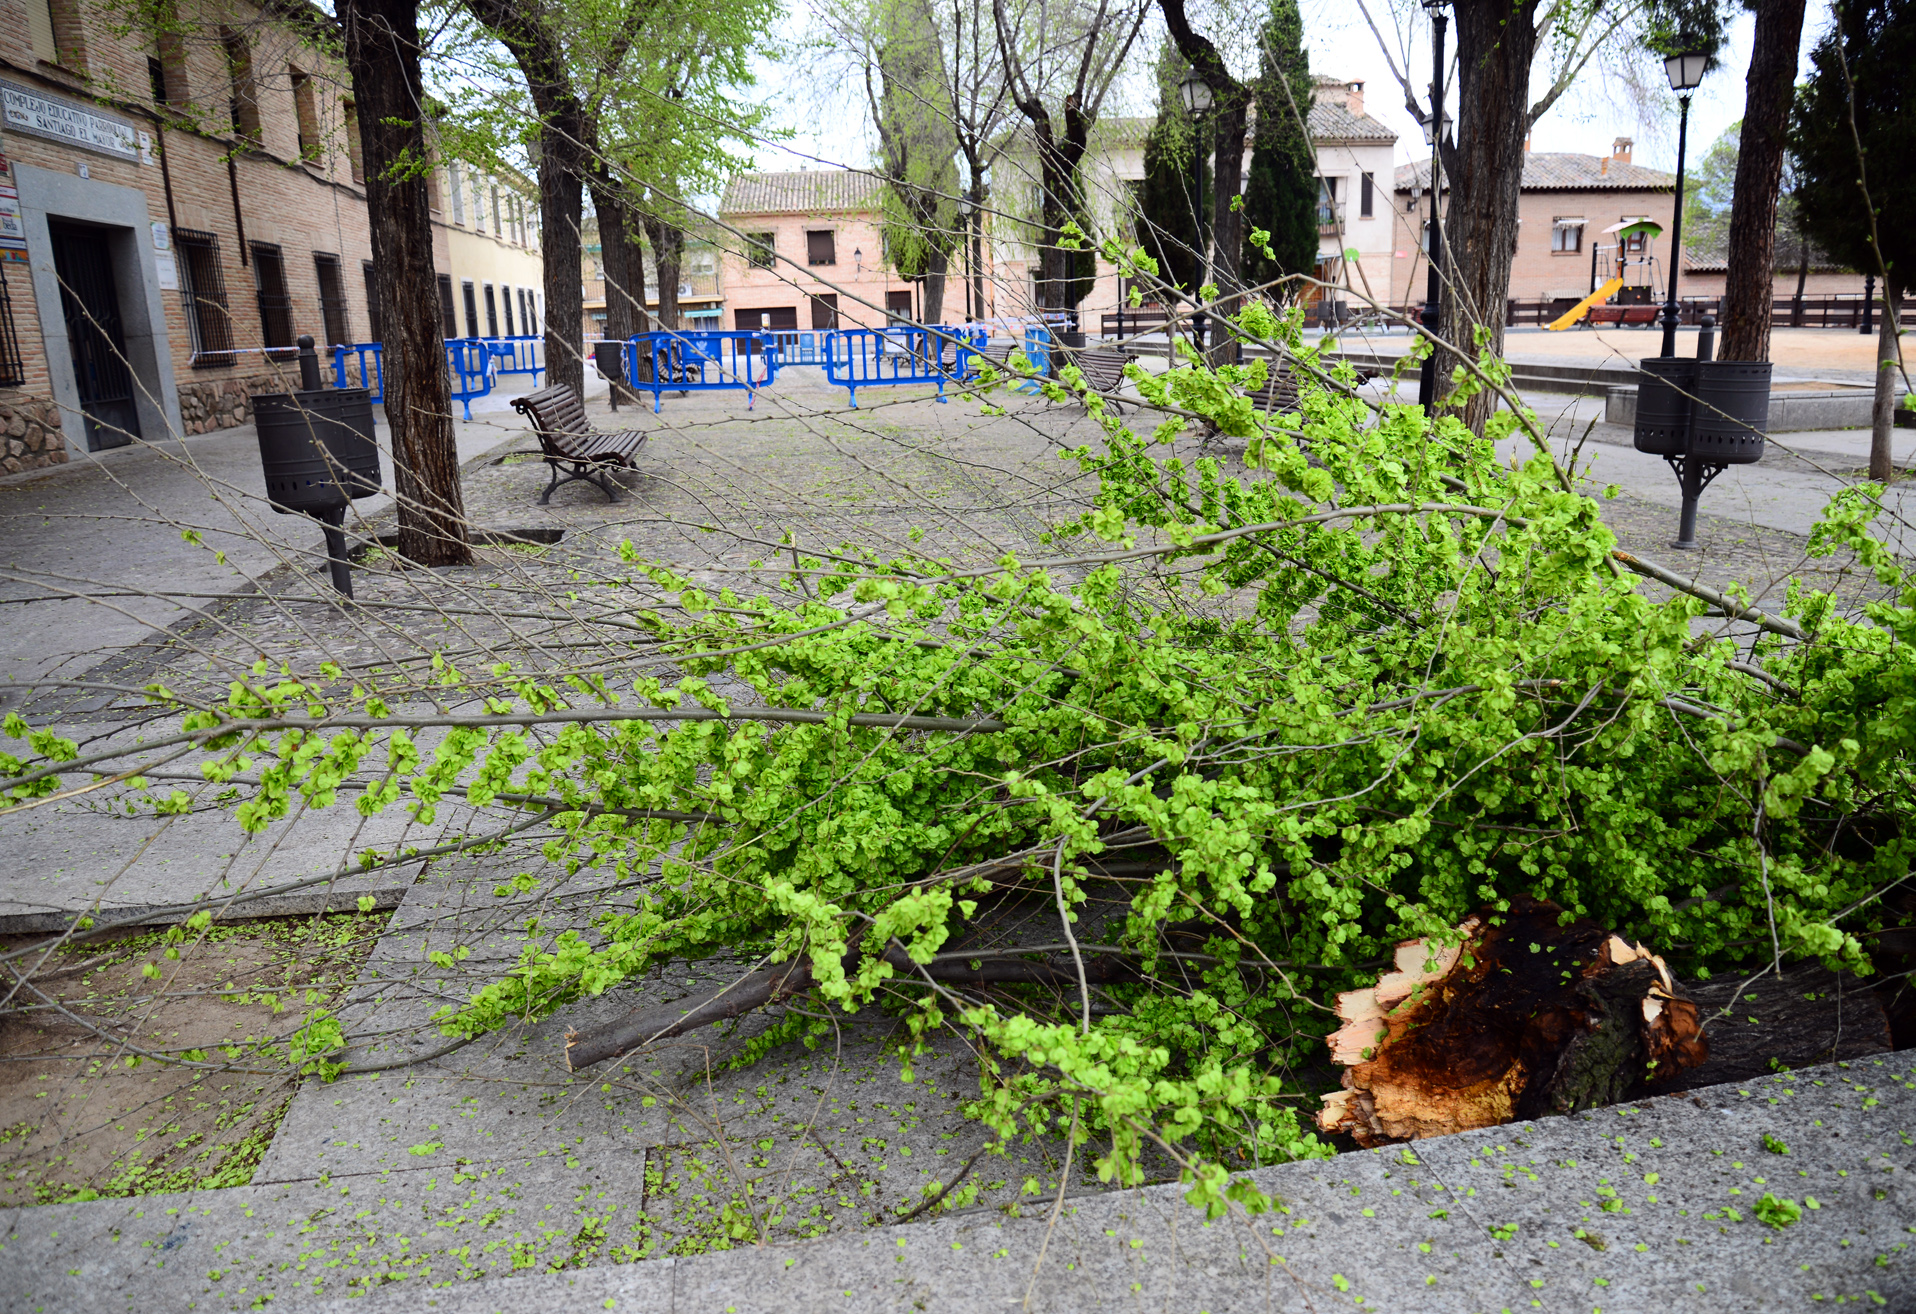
{"points": [[489, 1177]]}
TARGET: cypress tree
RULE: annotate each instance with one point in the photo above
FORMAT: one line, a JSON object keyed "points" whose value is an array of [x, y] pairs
{"points": [[1280, 192]]}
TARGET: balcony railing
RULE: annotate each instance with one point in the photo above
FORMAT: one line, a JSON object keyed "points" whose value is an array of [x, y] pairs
{"points": [[1330, 218]]}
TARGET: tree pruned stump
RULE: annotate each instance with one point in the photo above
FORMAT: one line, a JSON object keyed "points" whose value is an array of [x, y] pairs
{"points": [[1520, 1018]]}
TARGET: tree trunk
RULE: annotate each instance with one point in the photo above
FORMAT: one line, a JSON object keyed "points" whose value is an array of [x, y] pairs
{"points": [[624, 312], [1882, 416], [562, 210], [1496, 42], [383, 50], [937, 263], [564, 143], [1749, 286], [1230, 97], [668, 249]]}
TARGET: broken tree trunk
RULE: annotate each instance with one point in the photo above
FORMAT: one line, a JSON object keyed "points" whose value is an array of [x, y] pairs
{"points": [[1521, 1018], [1810, 1015]]}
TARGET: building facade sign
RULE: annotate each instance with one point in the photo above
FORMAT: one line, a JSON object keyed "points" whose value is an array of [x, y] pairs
{"points": [[25, 110]]}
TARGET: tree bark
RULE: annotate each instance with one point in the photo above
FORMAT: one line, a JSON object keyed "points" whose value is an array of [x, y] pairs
{"points": [[668, 252], [624, 309], [1749, 287], [1483, 172], [1802, 278], [383, 52], [565, 142], [937, 264], [1230, 99], [1808, 1016], [1882, 416]]}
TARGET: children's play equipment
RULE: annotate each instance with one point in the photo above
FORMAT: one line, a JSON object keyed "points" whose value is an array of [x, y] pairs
{"points": [[1632, 245]]}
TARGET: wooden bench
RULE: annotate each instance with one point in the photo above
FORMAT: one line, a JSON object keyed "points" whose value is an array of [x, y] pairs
{"points": [[558, 417], [1103, 370], [1278, 395]]}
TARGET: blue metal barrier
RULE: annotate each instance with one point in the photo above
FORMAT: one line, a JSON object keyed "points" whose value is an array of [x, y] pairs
{"points": [[471, 364], [702, 362], [795, 348], [1038, 348], [872, 358], [368, 370], [519, 355]]}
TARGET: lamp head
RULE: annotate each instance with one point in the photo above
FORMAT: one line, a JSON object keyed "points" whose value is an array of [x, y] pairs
{"points": [[1194, 93], [1434, 7], [1431, 122], [1685, 70]]}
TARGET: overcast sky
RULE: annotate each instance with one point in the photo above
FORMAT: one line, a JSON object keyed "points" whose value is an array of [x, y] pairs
{"points": [[830, 122]]}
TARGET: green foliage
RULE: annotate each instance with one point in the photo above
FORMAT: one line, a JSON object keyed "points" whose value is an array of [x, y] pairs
{"points": [[1280, 190], [1857, 99], [1345, 693]]}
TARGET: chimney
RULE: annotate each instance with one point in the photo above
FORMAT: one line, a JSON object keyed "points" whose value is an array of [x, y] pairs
{"points": [[1354, 98], [1620, 150], [1526, 142], [1603, 166]]}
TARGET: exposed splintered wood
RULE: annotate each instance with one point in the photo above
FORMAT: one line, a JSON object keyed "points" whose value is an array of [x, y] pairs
{"points": [[1519, 1018], [1810, 1015]]}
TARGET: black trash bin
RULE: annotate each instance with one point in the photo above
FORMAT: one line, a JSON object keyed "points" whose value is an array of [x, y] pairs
{"points": [[1731, 411], [1663, 404], [319, 452]]}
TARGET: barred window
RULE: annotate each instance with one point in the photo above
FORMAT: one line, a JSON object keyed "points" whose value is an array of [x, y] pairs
{"points": [[209, 324], [13, 371], [332, 298], [275, 302]]}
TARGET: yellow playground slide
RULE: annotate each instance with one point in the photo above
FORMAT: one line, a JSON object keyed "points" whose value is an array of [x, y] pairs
{"points": [[1582, 308]]}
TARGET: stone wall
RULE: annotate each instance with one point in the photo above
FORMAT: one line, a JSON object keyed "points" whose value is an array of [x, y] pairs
{"points": [[211, 404], [33, 437]]}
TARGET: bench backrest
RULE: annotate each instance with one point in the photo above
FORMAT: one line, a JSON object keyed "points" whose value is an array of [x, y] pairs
{"points": [[1103, 370], [557, 415]]}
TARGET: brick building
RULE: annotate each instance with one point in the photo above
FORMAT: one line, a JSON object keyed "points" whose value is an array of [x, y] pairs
{"points": [[184, 195], [812, 254], [1566, 203]]}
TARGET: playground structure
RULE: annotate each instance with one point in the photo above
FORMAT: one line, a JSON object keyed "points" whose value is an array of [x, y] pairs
{"points": [[1634, 245]]}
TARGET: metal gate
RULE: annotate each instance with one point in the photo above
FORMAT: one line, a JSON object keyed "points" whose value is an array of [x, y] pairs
{"points": [[91, 307]]}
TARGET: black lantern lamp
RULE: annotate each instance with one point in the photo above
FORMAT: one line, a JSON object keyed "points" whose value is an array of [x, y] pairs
{"points": [[1685, 72], [1436, 128], [1194, 93]]}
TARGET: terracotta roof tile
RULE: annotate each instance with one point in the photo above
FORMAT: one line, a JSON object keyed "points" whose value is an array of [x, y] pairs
{"points": [[802, 191], [1549, 171]]}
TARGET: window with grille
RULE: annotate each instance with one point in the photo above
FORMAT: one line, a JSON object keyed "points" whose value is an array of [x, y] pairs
{"points": [[472, 307], [355, 148], [525, 313], [821, 247], [492, 313], [243, 101], [13, 370], [448, 317], [375, 322], [332, 298], [505, 306], [209, 323], [306, 113], [275, 302]]}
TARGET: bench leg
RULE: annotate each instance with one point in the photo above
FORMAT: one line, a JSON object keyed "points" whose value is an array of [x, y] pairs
{"points": [[589, 473]]}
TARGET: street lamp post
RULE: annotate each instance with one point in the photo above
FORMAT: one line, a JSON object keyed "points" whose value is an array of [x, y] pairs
{"points": [[1195, 95], [1434, 127], [1685, 72]]}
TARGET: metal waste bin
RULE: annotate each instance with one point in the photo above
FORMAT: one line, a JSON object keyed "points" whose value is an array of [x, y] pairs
{"points": [[319, 452]]}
